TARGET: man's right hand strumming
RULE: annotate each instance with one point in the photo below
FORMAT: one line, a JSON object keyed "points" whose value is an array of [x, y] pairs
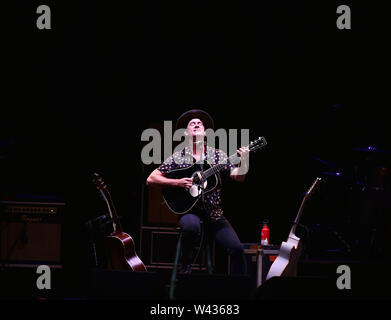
{"points": [[157, 179], [185, 183]]}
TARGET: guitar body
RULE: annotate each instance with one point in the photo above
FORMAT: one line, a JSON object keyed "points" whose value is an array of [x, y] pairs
{"points": [[120, 246], [287, 260], [122, 253], [180, 200], [290, 251]]}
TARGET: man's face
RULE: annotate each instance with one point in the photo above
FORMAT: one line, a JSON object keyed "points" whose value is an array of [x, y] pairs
{"points": [[195, 127]]}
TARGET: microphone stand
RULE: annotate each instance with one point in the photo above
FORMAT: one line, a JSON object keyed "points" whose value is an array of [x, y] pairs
{"points": [[205, 219], [91, 226]]}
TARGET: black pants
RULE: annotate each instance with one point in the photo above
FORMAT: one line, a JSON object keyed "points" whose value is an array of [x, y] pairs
{"points": [[224, 234]]}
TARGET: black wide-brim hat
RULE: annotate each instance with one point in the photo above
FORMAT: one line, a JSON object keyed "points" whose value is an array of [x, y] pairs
{"points": [[205, 117]]}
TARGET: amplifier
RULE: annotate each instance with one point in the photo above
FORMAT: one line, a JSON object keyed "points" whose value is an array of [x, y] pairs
{"points": [[30, 232]]}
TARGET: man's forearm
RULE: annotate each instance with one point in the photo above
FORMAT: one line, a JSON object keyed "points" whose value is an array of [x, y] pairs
{"points": [[158, 180]]}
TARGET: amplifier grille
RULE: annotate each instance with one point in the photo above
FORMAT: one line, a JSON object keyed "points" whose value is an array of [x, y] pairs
{"points": [[30, 232]]}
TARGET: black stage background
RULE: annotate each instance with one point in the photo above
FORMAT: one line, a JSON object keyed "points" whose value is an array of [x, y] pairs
{"points": [[77, 98]]}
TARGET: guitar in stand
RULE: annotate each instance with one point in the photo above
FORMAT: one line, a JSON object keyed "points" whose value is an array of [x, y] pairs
{"points": [[181, 201], [121, 249], [290, 251]]}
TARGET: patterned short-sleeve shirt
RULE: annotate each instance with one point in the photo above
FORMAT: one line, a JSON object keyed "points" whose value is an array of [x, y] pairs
{"points": [[185, 159]]}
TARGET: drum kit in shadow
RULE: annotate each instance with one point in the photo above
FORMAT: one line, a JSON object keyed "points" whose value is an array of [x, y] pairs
{"points": [[363, 189]]}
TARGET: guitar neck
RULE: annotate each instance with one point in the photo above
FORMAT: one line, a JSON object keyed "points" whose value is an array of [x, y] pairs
{"points": [[112, 212], [218, 167], [101, 186], [307, 195], [293, 230], [259, 143]]}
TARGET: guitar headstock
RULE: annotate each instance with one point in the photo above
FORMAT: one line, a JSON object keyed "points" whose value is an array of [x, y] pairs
{"points": [[257, 144], [312, 188], [105, 194], [98, 181]]}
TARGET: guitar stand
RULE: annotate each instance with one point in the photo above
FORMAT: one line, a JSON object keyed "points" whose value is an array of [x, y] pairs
{"points": [[98, 223], [90, 227]]}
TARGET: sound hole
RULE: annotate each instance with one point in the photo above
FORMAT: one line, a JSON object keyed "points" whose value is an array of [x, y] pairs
{"points": [[196, 178]]}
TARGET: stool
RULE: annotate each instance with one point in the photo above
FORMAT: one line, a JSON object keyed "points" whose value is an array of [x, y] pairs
{"points": [[205, 241]]}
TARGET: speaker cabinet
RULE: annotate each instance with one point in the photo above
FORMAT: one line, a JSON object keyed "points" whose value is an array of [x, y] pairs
{"points": [[158, 211], [31, 233]]}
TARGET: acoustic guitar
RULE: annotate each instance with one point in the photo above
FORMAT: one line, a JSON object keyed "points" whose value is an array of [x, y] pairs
{"points": [[290, 251], [120, 245], [180, 200]]}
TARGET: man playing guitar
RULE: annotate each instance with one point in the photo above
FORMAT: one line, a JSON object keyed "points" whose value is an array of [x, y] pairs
{"points": [[210, 207]]}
